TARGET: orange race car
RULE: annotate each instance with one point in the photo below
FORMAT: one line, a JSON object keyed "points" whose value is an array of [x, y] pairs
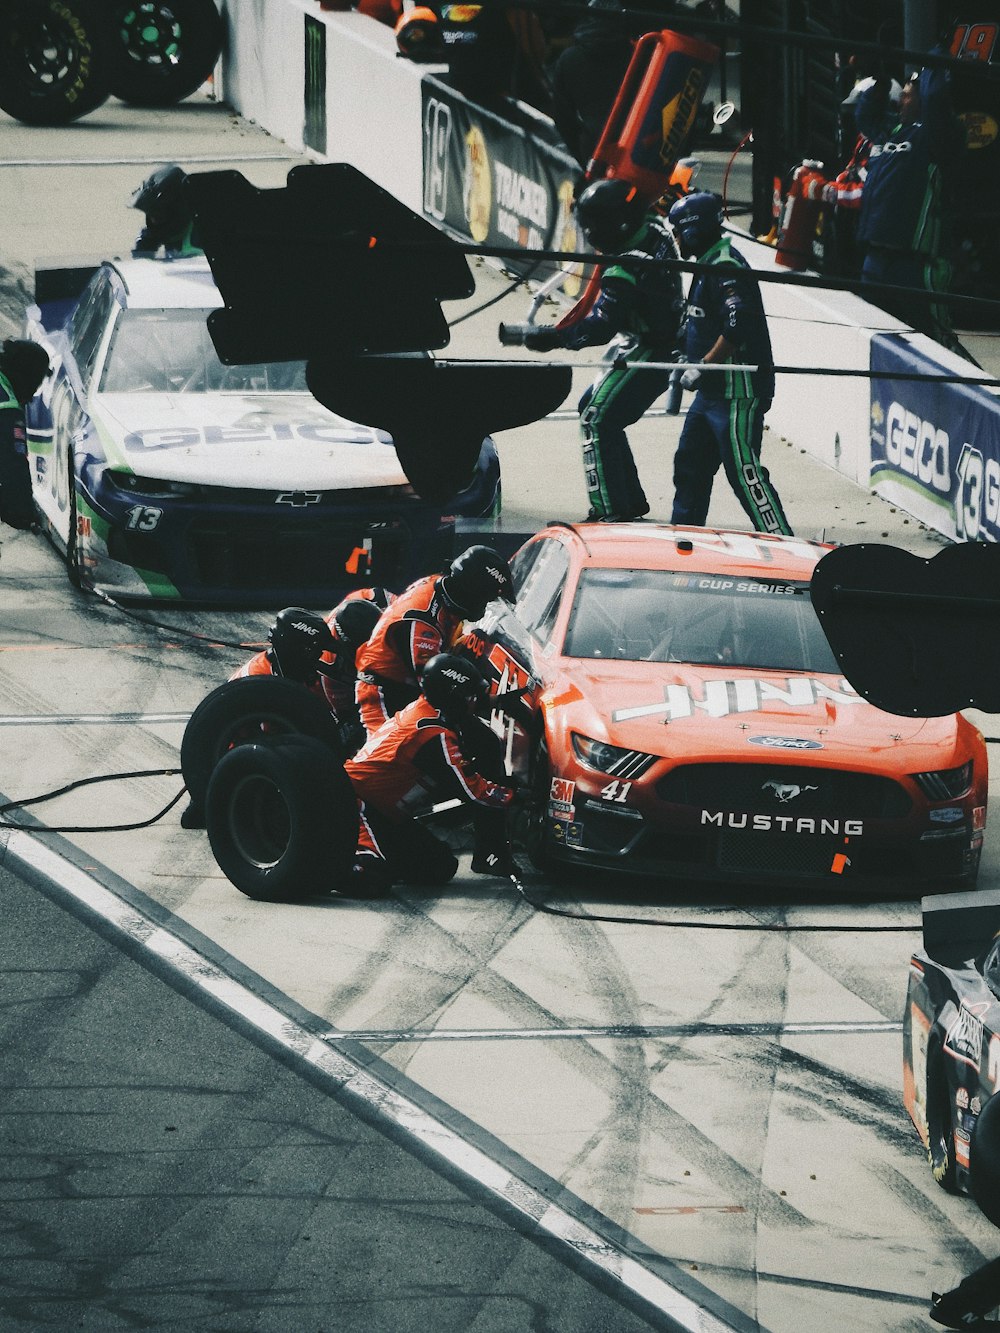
{"points": [[692, 721]]}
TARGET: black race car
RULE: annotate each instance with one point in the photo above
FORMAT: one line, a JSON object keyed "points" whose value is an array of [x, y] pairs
{"points": [[951, 1033]]}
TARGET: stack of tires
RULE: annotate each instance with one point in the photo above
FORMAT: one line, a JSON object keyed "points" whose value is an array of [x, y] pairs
{"points": [[59, 59]]}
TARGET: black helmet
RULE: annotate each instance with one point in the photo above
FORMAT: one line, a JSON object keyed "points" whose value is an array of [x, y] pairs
{"points": [[298, 639], [160, 194], [453, 684], [354, 620], [610, 212], [697, 221], [418, 35], [475, 578], [24, 364]]}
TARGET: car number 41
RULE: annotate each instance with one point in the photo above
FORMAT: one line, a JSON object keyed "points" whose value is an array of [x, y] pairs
{"points": [[616, 791]]}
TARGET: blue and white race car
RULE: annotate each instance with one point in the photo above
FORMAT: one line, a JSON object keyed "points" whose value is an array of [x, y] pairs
{"points": [[161, 473]]}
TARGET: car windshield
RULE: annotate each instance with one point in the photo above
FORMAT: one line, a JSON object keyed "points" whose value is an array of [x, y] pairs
{"points": [[651, 615], [170, 351]]}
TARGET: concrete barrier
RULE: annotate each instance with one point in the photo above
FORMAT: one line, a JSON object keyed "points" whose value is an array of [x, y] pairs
{"points": [[331, 83]]}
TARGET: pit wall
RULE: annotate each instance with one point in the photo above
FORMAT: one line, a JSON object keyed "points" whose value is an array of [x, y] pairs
{"points": [[331, 84]]}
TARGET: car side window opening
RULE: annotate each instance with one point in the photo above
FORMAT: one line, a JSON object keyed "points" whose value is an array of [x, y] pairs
{"points": [[90, 319], [171, 351], [645, 615], [540, 593]]}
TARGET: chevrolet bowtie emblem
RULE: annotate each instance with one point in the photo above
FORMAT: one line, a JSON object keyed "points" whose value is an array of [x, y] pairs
{"points": [[297, 499]]}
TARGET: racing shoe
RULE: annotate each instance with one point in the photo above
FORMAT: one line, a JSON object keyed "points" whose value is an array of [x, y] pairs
{"points": [[501, 864], [593, 516], [370, 877]]}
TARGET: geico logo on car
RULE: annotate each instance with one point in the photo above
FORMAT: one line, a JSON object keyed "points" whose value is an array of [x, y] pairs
{"points": [[918, 447], [848, 828], [181, 437]]}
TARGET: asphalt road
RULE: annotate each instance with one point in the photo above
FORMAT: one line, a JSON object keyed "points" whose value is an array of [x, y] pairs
{"points": [[700, 1121]]}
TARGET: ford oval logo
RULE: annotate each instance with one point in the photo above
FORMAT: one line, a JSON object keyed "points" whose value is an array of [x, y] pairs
{"points": [[785, 743]]}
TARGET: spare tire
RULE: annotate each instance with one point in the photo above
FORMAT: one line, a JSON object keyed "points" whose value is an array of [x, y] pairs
{"points": [[282, 820], [246, 710], [55, 58], [164, 49]]}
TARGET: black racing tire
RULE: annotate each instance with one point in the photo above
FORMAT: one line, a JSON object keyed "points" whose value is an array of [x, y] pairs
{"points": [[984, 1160], [74, 563], [164, 49], [282, 820], [537, 839], [243, 711], [55, 58], [940, 1121]]}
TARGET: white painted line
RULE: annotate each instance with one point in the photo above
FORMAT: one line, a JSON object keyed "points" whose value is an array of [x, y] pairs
{"points": [[139, 161], [587, 1245], [92, 719], [613, 1031]]}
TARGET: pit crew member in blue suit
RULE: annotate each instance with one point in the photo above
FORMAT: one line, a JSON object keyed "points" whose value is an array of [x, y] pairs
{"points": [[904, 201], [725, 322]]}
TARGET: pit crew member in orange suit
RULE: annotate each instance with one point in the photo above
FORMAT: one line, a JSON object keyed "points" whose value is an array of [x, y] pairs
{"points": [[434, 749], [351, 623], [424, 620], [320, 654]]}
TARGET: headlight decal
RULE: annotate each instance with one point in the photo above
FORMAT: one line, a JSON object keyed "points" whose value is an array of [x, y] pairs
{"points": [[612, 759]]}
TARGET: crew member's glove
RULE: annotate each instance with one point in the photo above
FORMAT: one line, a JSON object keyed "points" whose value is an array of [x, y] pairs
{"points": [[542, 340], [690, 378]]}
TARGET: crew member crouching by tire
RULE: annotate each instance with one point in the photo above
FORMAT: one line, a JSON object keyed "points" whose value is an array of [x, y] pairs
{"points": [[320, 653], [434, 749], [423, 621]]}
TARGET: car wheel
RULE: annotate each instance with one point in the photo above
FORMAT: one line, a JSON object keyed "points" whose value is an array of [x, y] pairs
{"points": [[54, 60], [940, 1122], [74, 566], [984, 1160], [537, 837], [165, 49], [240, 712], [282, 820]]}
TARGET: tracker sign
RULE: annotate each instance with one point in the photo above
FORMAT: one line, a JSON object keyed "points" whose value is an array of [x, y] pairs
{"points": [[486, 180]]}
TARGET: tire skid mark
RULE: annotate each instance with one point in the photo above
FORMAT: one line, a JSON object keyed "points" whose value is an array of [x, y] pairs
{"points": [[588, 1062]]}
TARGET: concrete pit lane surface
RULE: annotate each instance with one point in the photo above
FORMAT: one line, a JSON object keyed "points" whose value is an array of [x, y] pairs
{"points": [[237, 1115]]}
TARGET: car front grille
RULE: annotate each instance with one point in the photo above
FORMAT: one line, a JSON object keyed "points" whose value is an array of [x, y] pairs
{"points": [[792, 790], [253, 554]]}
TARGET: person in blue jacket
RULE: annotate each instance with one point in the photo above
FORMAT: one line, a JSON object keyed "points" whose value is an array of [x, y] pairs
{"points": [[725, 325], [904, 204]]}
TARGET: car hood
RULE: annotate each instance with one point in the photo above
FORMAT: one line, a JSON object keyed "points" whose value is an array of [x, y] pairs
{"points": [[738, 713], [247, 440]]}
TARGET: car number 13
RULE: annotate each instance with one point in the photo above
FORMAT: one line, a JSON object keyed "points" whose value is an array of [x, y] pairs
{"points": [[143, 518]]}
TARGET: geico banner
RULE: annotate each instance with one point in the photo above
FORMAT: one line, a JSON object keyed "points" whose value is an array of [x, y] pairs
{"points": [[935, 448], [490, 181]]}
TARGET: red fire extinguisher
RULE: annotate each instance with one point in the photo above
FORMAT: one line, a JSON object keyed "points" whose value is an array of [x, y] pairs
{"points": [[800, 215]]}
